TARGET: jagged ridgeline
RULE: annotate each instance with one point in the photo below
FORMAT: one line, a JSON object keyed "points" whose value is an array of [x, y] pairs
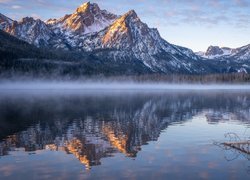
{"points": [[95, 41]]}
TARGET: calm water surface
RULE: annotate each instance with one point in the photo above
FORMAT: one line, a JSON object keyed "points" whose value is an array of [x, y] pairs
{"points": [[122, 135]]}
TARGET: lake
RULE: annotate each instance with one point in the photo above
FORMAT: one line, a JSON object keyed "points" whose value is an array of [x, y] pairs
{"points": [[123, 134]]}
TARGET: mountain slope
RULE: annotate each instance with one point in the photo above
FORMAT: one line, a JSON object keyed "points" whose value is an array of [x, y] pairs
{"points": [[11, 47], [242, 53], [18, 57]]}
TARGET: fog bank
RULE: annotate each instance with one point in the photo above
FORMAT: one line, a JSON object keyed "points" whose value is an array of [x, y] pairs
{"points": [[88, 85]]}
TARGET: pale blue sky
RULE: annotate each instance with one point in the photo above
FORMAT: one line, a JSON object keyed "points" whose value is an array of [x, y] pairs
{"points": [[195, 24]]}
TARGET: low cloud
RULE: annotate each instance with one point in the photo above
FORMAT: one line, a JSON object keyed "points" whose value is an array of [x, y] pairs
{"points": [[242, 3], [167, 12], [196, 12], [5, 1], [16, 7]]}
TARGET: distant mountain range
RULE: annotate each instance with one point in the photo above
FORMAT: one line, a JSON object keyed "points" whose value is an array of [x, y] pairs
{"points": [[122, 44], [216, 52], [229, 59]]}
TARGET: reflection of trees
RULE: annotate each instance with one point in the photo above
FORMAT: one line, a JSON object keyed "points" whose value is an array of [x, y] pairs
{"points": [[214, 117], [92, 128], [235, 109]]}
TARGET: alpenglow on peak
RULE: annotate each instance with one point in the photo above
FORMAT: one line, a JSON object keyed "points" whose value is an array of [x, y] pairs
{"points": [[87, 7]]}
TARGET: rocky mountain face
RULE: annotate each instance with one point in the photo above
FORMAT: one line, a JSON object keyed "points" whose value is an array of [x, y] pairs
{"points": [[115, 39], [5, 22], [28, 29], [33, 31], [213, 52], [216, 51]]}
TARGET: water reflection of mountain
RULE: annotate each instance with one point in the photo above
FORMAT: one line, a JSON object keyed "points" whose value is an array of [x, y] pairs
{"points": [[93, 127]]}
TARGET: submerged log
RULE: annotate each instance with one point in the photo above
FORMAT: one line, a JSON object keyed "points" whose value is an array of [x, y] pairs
{"points": [[243, 146]]}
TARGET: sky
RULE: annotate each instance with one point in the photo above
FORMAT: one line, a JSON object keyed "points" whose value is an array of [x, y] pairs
{"points": [[195, 24]]}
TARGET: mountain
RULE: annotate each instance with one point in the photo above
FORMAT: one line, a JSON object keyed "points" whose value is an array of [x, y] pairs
{"points": [[113, 38], [215, 52], [125, 39], [129, 38], [118, 43]]}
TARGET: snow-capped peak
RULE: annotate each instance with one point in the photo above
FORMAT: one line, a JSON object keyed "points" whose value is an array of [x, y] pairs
{"points": [[216, 52], [86, 7], [87, 18]]}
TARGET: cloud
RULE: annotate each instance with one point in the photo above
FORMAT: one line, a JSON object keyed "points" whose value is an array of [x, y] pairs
{"points": [[166, 12], [199, 13], [242, 3], [5, 1], [16, 7]]}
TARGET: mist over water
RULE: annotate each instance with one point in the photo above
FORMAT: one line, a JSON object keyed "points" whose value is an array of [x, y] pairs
{"points": [[114, 85]]}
